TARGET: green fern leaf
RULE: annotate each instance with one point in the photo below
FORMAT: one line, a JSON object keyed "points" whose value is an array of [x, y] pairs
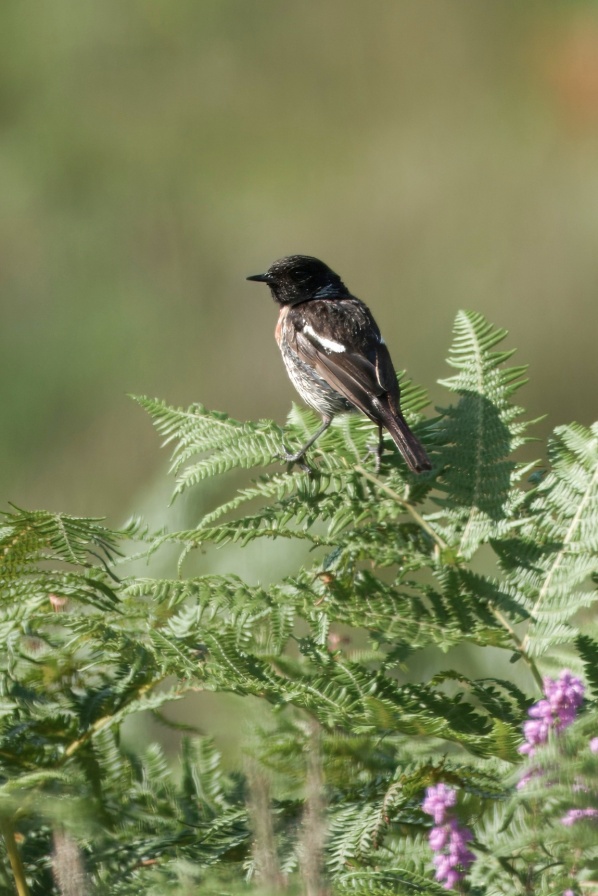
{"points": [[557, 552], [478, 436]]}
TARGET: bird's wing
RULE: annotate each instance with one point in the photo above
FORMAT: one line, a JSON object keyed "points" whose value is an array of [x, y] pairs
{"points": [[360, 367]]}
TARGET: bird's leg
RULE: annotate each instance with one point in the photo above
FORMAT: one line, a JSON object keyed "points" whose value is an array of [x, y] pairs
{"points": [[299, 455], [377, 450], [380, 447]]}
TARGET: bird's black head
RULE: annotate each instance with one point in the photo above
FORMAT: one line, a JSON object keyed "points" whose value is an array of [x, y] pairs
{"points": [[299, 278]]}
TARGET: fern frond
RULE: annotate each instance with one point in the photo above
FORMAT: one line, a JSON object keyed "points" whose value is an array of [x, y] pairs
{"points": [[557, 551], [392, 882], [227, 443], [588, 649], [30, 536], [478, 436]]}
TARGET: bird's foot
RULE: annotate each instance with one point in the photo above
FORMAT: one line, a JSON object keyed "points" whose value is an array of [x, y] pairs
{"points": [[376, 449], [297, 458]]}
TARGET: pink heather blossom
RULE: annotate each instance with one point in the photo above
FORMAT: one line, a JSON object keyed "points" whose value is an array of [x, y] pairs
{"points": [[536, 730], [527, 777], [439, 837], [574, 815], [594, 745], [563, 697], [438, 799], [448, 839]]}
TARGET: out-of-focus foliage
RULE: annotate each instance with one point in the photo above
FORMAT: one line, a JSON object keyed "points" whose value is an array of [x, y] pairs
{"points": [[152, 154], [330, 801]]}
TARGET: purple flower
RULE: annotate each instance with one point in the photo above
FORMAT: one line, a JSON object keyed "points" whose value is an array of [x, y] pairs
{"points": [[594, 745], [439, 837], [454, 860], [574, 815], [448, 839], [527, 776], [438, 799], [563, 697], [537, 728]]}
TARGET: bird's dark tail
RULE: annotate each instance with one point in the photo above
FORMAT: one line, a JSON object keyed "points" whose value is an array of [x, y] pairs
{"points": [[410, 447]]}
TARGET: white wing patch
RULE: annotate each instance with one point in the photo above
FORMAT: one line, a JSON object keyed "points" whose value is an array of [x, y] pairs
{"points": [[328, 344]]}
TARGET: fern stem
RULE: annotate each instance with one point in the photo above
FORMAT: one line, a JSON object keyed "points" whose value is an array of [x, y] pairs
{"points": [[99, 724], [479, 434], [511, 869], [313, 827], [519, 644], [18, 869], [404, 503], [259, 807]]}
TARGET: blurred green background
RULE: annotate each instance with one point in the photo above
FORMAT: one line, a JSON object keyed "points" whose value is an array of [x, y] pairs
{"points": [[437, 153]]}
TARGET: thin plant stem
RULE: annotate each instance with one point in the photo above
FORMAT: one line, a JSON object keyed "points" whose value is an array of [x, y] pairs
{"points": [[519, 644], [404, 503], [99, 724], [14, 857]]}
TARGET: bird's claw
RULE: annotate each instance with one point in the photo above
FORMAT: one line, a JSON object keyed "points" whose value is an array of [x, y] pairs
{"points": [[376, 450], [295, 459]]}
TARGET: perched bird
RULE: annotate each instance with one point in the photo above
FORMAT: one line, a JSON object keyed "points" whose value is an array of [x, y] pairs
{"points": [[334, 354]]}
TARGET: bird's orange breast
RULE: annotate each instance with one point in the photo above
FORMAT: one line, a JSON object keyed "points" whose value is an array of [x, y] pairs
{"points": [[280, 324]]}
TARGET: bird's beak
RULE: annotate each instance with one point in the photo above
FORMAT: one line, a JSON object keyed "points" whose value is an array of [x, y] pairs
{"points": [[260, 278]]}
